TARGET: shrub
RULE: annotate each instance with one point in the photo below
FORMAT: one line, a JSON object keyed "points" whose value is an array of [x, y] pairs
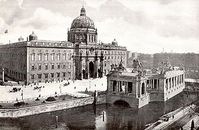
{"points": [[50, 99]]}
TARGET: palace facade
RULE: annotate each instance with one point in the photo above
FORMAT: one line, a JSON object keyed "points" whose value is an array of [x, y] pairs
{"points": [[80, 57]]}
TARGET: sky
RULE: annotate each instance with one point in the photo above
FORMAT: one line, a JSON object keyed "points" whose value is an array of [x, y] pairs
{"points": [[146, 26]]}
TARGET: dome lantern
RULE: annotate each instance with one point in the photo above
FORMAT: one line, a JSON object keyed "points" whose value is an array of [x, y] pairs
{"points": [[83, 12]]}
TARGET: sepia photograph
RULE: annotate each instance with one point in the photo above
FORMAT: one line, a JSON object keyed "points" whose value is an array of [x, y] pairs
{"points": [[99, 65]]}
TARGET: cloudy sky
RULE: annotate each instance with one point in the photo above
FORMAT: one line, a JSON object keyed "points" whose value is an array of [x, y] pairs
{"points": [[145, 26]]}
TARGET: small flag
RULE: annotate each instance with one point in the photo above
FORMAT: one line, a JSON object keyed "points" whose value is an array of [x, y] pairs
{"points": [[6, 31]]}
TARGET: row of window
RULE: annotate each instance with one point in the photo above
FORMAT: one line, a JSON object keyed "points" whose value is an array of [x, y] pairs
{"points": [[115, 52], [49, 75], [52, 66], [80, 37], [112, 57], [52, 56]]}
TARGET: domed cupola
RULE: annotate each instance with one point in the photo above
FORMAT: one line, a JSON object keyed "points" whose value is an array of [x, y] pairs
{"points": [[32, 36], [82, 21], [82, 29]]}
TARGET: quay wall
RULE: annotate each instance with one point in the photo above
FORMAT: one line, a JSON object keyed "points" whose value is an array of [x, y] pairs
{"points": [[48, 107]]}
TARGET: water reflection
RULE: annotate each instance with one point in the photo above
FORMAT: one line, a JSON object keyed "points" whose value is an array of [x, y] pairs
{"points": [[101, 117]]}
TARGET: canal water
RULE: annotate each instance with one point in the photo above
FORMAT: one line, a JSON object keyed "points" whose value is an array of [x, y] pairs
{"points": [[103, 117]]}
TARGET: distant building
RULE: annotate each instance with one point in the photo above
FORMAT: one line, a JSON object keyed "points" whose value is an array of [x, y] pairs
{"points": [[138, 88], [81, 57], [189, 61]]}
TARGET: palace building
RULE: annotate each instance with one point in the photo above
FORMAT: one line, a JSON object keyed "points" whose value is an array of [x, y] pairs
{"points": [[80, 57], [92, 59], [37, 60]]}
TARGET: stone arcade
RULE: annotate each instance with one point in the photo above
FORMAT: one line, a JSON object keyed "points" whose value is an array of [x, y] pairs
{"points": [[138, 88]]}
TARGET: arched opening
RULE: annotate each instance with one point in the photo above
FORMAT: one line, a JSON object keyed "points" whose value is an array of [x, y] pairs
{"points": [[143, 88], [91, 69], [121, 103], [84, 74], [99, 73]]}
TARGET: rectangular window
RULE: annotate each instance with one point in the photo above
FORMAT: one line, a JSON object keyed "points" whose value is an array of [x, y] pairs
{"points": [[64, 55], [46, 57], [33, 57], [58, 66], [52, 67], [69, 56], [46, 66], [39, 67], [39, 76], [33, 67], [52, 75], [64, 66], [58, 75], [58, 56], [64, 74], [130, 87], [32, 76], [40, 57], [46, 76], [53, 56]]}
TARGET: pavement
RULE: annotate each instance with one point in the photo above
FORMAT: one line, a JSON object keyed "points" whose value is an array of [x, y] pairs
{"points": [[28, 94]]}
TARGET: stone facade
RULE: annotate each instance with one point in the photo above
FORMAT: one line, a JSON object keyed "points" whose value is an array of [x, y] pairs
{"points": [[13, 60], [92, 59], [49, 61], [81, 57], [166, 85], [37, 61]]}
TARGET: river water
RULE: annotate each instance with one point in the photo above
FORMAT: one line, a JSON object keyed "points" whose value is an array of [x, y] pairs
{"points": [[103, 117]]}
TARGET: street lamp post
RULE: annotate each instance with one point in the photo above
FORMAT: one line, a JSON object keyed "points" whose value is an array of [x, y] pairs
{"points": [[3, 75], [56, 118], [22, 94]]}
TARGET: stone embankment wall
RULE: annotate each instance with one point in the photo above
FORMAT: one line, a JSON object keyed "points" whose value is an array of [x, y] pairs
{"points": [[48, 107]]}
